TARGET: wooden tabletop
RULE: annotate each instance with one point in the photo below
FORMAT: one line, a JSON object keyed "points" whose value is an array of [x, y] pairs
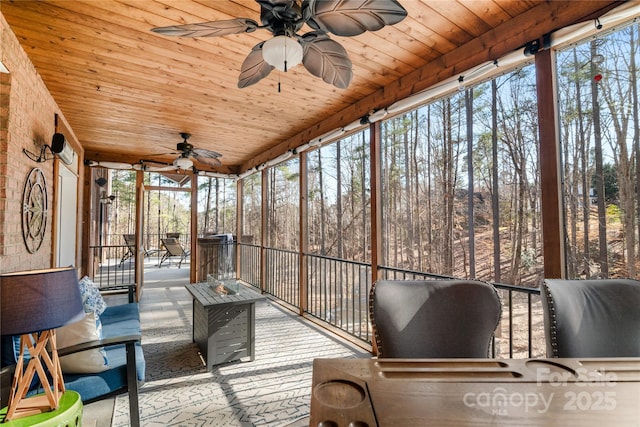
{"points": [[475, 392], [207, 296]]}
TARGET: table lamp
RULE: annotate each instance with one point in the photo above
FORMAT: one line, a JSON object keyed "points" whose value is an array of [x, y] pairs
{"points": [[35, 303]]}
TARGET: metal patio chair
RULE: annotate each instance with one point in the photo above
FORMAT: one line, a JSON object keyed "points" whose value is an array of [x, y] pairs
{"points": [[173, 249], [130, 241]]}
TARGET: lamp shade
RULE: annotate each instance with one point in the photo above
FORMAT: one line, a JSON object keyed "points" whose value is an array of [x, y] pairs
{"points": [[282, 52], [39, 300]]}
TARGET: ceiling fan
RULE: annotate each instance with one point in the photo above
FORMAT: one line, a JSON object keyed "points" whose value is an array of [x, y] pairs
{"points": [[320, 55], [184, 161], [187, 152]]}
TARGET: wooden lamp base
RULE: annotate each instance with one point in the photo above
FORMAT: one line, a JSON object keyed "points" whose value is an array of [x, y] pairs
{"points": [[40, 362]]}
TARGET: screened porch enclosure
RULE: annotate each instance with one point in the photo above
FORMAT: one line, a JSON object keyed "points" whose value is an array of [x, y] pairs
{"points": [[468, 184]]}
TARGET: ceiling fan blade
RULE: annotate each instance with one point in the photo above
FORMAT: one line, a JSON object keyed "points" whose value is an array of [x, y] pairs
{"points": [[254, 68], [203, 152], [164, 154], [209, 29], [353, 17], [326, 59], [205, 156], [210, 161]]}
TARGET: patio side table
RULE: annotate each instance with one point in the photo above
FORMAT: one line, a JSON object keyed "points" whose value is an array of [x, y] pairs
{"points": [[224, 325], [69, 414]]}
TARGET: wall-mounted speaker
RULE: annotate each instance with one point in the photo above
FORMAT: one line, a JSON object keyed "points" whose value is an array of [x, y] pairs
{"points": [[61, 147]]}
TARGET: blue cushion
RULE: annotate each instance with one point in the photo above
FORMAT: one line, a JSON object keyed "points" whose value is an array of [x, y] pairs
{"points": [[121, 312], [120, 320], [91, 386]]}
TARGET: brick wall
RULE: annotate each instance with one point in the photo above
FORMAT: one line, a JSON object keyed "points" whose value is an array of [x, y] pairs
{"points": [[27, 113]]}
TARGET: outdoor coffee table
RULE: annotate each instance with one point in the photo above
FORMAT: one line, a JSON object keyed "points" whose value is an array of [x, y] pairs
{"points": [[224, 324]]}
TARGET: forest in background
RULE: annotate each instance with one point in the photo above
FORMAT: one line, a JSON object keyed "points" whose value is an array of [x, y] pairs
{"points": [[461, 177], [168, 210]]}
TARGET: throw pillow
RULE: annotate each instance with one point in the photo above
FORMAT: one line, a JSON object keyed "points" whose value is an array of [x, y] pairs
{"points": [[88, 361], [91, 297]]}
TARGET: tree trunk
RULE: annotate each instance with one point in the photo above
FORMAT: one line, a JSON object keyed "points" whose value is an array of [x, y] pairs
{"points": [[207, 206], [495, 206], [635, 152], [470, 188], [599, 177], [449, 190], [583, 152], [322, 211]]}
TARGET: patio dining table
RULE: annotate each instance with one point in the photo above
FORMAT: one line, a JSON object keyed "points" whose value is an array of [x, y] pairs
{"points": [[476, 392]]}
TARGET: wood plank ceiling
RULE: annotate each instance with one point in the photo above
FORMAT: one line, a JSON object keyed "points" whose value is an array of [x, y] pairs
{"points": [[127, 92]]}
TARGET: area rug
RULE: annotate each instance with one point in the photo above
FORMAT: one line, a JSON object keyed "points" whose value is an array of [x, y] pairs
{"points": [[273, 390]]}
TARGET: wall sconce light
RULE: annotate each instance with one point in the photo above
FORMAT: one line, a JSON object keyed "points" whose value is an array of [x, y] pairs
{"points": [[107, 200]]}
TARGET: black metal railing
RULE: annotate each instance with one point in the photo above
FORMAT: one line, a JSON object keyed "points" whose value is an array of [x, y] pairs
{"points": [[113, 267], [283, 275], [249, 268], [337, 290], [522, 322], [338, 293]]}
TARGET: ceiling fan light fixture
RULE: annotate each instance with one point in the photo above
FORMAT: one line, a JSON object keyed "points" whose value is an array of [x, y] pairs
{"points": [[183, 163], [282, 52]]}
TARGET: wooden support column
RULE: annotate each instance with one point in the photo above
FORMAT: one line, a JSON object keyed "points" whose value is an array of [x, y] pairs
{"points": [[376, 201], [239, 224], [550, 180], [376, 210], [304, 234], [139, 255], [263, 234], [193, 266], [87, 219]]}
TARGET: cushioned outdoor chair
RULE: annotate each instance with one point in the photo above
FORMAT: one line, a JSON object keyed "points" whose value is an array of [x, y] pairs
{"points": [[173, 249], [434, 318], [592, 318]]}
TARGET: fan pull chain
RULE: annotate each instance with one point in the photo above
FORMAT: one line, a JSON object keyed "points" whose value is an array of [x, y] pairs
{"points": [[278, 81], [285, 55]]}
